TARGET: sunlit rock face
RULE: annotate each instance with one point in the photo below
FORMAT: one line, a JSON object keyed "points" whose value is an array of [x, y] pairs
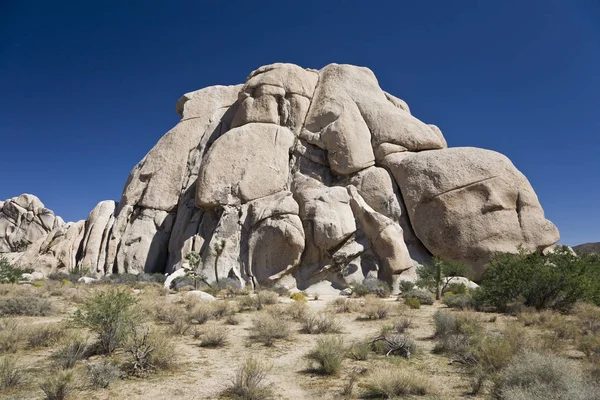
{"points": [[305, 176]]}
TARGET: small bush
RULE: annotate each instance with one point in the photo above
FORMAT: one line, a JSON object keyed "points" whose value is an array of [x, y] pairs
{"points": [[457, 288], [459, 301], [232, 320], [371, 286], [402, 324], [180, 326], [214, 336], [149, 351], [423, 296], [266, 329], [102, 375], [299, 296], [588, 317], [248, 382], [202, 312], [10, 335], [342, 305], [590, 345], [9, 274], [319, 323], [390, 343], [29, 305], [375, 309], [10, 375], [413, 303], [73, 350], [58, 386], [265, 298], [297, 310], [109, 315], [222, 309], [44, 335], [167, 312], [360, 350], [326, 358], [532, 375], [406, 286], [246, 303], [391, 383]]}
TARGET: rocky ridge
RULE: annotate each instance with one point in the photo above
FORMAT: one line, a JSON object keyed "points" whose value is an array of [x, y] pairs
{"points": [[305, 176]]}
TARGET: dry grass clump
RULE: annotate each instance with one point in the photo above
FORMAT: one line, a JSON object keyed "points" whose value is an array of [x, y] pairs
{"points": [[58, 386], [402, 324], [265, 298], [201, 312], [360, 351], [342, 305], [314, 323], [102, 375], [375, 308], [248, 382], [392, 383], [232, 319], [413, 304], [297, 310], [326, 358], [43, 335], [33, 305], [390, 342], [10, 335], [588, 317], [149, 350], [10, 375], [73, 349], [266, 329], [246, 303], [533, 375], [214, 336], [167, 312]]}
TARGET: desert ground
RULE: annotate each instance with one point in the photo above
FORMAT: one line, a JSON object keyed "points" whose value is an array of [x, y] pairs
{"points": [[200, 371]]}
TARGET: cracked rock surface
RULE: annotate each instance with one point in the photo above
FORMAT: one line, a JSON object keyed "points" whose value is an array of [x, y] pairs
{"points": [[306, 176]]}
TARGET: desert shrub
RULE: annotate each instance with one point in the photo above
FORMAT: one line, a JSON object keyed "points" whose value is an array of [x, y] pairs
{"points": [[406, 286], [588, 318], [423, 296], [360, 350], [73, 350], [341, 305], [232, 319], [412, 303], [149, 350], [180, 326], [401, 324], [390, 343], [371, 286], [222, 309], [281, 291], [392, 383], [265, 298], [10, 335], [10, 375], [246, 303], [43, 335], [9, 274], [556, 280], [299, 296], [590, 345], [459, 301], [456, 334], [214, 336], [202, 312], [457, 288], [58, 386], [110, 315], [102, 375], [167, 312], [297, 310], [319, 323], [532, 375], [374, 308], [438, 276], [266, 329], [26, 305], [248, 382], [326, 358]]}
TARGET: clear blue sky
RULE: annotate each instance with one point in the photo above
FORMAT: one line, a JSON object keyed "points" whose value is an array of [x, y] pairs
{"points": [[88, 87]]}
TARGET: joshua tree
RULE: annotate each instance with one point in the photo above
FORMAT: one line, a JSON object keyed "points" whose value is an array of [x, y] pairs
{"points": [[219, 247], [191, 269]]}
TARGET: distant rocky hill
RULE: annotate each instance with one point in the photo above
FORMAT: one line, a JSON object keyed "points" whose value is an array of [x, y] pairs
{"points": [[587, 248], [304, 176]]}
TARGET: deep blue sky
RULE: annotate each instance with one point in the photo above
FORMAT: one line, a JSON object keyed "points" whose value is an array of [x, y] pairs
{"points": [[88, 87]]}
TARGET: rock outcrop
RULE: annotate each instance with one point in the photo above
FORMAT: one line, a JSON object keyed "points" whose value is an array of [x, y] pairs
{"points": [[300, 176], [24, 220]]}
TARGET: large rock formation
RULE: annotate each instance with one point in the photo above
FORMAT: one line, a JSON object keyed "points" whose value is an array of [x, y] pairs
{"points": [[303, 176]]}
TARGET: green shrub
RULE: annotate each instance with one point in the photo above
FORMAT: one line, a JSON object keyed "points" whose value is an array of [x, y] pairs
{"points": [[423, 296], [459, 301], [406, 286], [266, 329], [58, 386], [440, 274], [556, 280], [110, 315], [371, 286], [392, 383], [319, 323], [248, 382], [412, 303], [532, 375], [299, 296], [10, 375], [457, 288], [25, 305], [326, 358], [9, 274], [103, 375]]}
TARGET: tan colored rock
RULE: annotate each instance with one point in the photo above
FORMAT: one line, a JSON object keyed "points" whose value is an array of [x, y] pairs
{"points": [[24, 220], [247, 163], [97, 230], [467, 203]]}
